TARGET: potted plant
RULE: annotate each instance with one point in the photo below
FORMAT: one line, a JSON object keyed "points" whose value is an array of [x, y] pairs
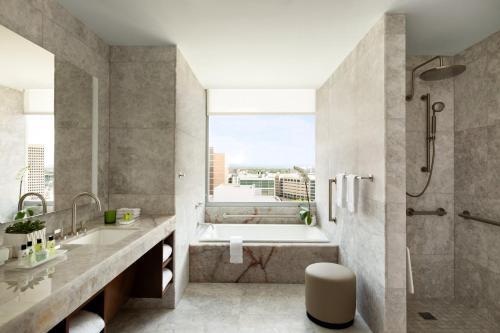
{"points": [[21, 232], [305, 212]]}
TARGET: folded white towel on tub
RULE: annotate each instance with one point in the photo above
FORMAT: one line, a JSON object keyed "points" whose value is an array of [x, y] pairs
{"points": [[236, 250]]}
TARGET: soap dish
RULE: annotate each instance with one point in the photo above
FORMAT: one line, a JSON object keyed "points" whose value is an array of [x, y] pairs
{"points": [[126, 222]]}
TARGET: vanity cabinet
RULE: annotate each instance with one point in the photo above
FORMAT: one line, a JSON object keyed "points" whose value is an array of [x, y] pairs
{"points": [[142, 279]]}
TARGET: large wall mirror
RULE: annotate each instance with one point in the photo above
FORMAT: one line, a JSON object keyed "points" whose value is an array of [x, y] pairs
{"points": [[48, 129]]}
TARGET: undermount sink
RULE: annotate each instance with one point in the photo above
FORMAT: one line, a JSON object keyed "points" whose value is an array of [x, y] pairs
{"points": [[103, 236]]}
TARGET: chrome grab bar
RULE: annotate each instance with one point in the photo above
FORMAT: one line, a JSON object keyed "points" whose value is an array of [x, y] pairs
{"points": [[466, 215], [331, 218], [439, 212], [225, 215]]}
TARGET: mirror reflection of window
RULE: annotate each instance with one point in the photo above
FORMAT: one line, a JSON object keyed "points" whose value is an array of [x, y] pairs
{"points": [[26, 124]]}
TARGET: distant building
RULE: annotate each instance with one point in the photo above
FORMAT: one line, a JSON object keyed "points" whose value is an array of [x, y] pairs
{"points": [[263, 184], [291, 186], [218, 172], [36, 173]]}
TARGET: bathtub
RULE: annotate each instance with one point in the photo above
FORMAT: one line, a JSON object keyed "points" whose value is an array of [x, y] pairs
{"points": [[264, 233]]}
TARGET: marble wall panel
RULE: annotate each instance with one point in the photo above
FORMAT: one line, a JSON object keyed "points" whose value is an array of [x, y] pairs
{"points": [[361, 130], [477, 142]]}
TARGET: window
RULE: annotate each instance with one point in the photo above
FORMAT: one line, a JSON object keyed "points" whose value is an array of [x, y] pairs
{"points": [[256, 138]]}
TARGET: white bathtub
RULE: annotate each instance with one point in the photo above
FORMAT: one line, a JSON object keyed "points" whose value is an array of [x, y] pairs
{"points": [[268, 233]]}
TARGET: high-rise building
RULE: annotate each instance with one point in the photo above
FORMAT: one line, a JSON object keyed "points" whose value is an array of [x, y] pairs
{"points": [[218, 172], [36, 173]]}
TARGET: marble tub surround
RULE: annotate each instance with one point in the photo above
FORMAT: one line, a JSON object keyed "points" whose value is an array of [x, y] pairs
{"points": [[262, 262], [430, 238], [58, 289], [360, 127], [215, 214], [477, 181]]}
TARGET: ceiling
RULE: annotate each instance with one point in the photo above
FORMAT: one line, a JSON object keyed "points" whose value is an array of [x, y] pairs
{"points": [[280, 43], [24, 65]]}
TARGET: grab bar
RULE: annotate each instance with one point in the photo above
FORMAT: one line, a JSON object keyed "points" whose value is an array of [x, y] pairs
{"points": [[466, 215], [412, 212], [225, 215], [331, 218]]}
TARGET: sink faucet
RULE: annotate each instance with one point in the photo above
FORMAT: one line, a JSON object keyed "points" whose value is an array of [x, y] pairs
{"points": [[73, 215], [21, 201]]}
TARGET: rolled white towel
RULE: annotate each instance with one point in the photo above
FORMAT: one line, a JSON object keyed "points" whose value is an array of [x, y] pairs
{"points": [[167, 277], [167, 251], [86, 322]]}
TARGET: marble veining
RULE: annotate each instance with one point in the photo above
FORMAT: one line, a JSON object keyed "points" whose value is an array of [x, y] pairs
{"points": [[36, 300], [262, 262]]}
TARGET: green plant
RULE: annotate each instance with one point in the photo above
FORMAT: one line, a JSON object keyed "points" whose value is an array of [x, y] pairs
{"points": [[22, 214], [305, 215], [25, 227]]}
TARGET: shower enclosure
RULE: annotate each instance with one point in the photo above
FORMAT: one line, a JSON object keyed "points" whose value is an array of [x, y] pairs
{"points": [[453, 189]]}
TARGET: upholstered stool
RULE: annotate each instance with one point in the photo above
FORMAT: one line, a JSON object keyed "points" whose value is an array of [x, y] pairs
{"points": [[330, 295]]}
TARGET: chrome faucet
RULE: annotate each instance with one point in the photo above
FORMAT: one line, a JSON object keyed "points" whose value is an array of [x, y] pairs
{"points": [[21, 201], [73, 215]]}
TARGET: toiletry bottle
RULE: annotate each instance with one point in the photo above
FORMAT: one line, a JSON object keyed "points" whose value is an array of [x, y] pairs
{"points": [[40, 252], [22, 254], [51, 246], [30, 255]]}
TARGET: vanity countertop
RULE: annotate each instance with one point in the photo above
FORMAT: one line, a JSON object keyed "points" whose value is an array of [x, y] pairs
{"points": [[35, 300]]}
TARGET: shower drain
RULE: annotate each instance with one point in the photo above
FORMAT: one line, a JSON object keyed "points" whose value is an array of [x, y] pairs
{"points": [[427, 316]]}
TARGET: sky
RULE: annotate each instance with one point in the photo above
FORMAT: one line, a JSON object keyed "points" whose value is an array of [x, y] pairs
{"points": [[264, 140]]}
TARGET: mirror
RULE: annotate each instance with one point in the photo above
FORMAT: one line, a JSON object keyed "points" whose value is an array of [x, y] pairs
{"points": [[48, 128]]}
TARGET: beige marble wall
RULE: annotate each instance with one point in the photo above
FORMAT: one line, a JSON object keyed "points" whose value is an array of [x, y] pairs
{"points": [[430, 238], [190, 153], [360, 129], [48, 24], [12, 143], [477, 181], [142, 123], [262, 263]]}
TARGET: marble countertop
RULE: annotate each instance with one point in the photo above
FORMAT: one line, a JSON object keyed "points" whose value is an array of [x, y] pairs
{"points": [[35, 300]]}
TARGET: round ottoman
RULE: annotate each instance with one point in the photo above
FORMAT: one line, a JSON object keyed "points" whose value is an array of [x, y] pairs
{"points": [[330, 295]]}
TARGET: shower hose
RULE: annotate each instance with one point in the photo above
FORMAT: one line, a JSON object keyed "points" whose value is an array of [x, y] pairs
{"points": [[429, 177]]}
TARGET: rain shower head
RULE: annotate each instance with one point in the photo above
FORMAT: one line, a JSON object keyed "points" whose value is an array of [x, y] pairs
{"points": [[442, 72]]}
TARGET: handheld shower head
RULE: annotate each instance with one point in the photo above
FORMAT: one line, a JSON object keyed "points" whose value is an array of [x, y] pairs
{"points": [[438, 106]]}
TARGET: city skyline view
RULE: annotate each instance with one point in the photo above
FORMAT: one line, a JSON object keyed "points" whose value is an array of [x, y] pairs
{"points": [[267, 141]]}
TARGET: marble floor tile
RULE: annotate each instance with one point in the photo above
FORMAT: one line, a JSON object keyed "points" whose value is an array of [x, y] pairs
{"points": [[229, 308]]}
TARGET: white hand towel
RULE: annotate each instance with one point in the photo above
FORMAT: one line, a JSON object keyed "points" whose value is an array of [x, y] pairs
{"points": [[167, 251], [352, 193], [166, 277], [409, 274], [341, 190], [86, 322], [236, 250]]}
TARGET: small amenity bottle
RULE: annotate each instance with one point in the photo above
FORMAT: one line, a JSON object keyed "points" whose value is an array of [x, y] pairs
{"points": [[30, 253], [40, 252], [22, 254], [51, 246]]}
